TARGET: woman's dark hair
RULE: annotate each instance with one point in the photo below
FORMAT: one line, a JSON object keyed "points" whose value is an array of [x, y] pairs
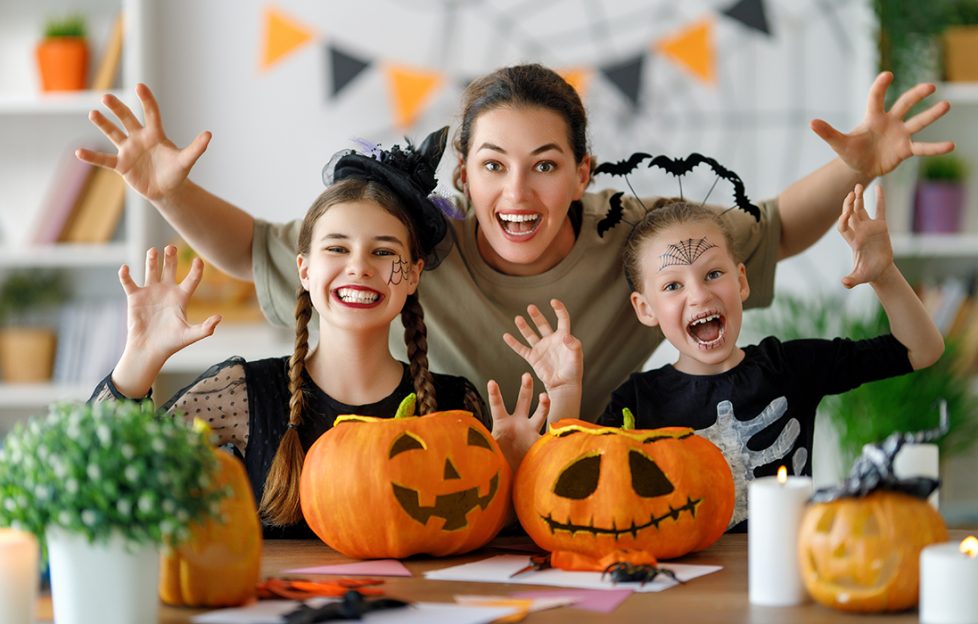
{"points": [[521, 86]]}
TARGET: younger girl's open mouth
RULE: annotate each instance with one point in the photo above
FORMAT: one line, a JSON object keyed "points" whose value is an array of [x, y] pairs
{"points": [[707, 330]]}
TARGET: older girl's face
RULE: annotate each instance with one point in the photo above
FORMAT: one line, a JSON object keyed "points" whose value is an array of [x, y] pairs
{"points": [[522, 177], [358, 270]]}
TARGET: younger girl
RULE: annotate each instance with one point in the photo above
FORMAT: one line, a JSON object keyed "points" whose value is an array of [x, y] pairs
{"points": [[361, 249], [756, 403]]}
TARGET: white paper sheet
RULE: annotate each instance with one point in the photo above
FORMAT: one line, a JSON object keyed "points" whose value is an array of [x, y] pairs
{"points": [[498, 570], [271, 611]]}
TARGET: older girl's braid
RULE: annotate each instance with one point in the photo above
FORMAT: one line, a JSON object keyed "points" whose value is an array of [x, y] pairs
{"points": [[280, 498], [416, 337]]}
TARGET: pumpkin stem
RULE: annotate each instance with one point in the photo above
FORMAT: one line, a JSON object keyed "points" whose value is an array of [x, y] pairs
{"points": [[406, 408], [629, 418]]}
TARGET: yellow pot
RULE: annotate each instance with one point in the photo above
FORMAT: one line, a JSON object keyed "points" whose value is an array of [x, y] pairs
{"points": [[27, 354]]}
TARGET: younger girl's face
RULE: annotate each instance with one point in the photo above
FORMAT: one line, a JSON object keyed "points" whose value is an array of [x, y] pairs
{"points": [[692, 288], [358, 271], [522, 177]]}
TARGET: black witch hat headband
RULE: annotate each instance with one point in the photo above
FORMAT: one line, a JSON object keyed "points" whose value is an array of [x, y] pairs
{"points": [[678, 167], [409, 173]]}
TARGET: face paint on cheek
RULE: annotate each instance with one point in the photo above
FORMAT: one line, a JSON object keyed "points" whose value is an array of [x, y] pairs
{"points": [[399, 271], [685, 252]]}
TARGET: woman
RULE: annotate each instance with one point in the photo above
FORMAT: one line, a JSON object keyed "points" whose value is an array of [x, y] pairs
{"points": [[530, 231]]}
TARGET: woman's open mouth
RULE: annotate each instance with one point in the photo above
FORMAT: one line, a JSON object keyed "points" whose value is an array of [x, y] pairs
{"points": [[518, 225], [707, 330]]}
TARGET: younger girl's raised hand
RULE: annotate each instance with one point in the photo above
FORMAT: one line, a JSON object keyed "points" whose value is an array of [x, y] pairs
{"points": [[157, 320], [517, 431], [148, 161], [555, 356], [872, 252]]}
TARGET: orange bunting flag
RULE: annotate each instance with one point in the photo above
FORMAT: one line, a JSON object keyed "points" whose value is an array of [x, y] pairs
{"points": [[282, 36], [410, 89], [577, 78], [692, 49]]}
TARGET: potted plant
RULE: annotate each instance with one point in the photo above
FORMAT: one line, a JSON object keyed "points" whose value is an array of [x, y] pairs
{"points": [[939, 198], [27, 337], [62, 55], [104, 485]]}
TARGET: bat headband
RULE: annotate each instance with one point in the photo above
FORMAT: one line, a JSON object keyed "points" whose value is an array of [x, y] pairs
{"points": [[678, 167], [410, 174]]}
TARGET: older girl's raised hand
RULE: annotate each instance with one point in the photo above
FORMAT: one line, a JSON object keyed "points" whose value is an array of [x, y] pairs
{"points": [[517, 431], [157, 311], [149, 162], [883, 139], [872, 252]]}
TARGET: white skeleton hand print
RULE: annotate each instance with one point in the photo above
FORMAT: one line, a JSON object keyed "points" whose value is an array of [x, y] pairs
{"points": [[732, 435]]}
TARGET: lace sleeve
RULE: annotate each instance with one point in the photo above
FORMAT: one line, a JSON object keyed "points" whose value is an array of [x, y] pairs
{"points": [[219, 397]]}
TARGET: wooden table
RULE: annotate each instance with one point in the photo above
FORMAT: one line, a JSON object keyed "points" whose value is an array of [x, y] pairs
{"points": [[717, 597]]}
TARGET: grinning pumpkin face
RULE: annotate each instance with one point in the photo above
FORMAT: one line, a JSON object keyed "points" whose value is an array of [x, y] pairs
{"points": [[861, 554], [394, 487], [593, 490]]}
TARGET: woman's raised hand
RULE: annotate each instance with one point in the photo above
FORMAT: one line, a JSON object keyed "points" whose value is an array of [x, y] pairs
{"points": [[149, 162], [555, 356], [884, 139]]}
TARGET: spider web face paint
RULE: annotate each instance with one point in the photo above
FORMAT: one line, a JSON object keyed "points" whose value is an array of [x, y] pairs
{"points": [[399, 271], [685, 252]]}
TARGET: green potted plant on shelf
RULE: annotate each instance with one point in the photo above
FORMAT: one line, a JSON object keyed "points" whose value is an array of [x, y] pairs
{"points": [[62, 54], [104, 485], [27, 335], [874, 410], [939, 197]]}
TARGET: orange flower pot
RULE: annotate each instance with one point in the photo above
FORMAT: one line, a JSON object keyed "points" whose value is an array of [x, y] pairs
{"points": [[63, 63]]}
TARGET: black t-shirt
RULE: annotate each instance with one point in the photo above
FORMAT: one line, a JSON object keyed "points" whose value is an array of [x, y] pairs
{"points": [[761, 413]]}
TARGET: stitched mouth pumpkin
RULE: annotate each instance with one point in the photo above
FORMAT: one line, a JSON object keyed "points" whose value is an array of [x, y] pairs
{"points": [[594, 490], [435, 484]]}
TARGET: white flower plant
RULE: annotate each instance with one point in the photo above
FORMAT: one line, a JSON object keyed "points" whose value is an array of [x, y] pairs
{"points": [[108, 467]]}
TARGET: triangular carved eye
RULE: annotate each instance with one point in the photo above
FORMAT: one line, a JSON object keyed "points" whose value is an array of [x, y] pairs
{"points": [[476, 438], [648, 480], [580, 479], [405, 442]]}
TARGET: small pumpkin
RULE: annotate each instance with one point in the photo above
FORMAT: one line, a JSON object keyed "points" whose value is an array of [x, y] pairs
{"points": [[861, 553], [595, 490], [220, 564], [393, 487]]}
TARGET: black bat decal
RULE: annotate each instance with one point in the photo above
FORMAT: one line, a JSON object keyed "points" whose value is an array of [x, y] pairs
{"points": [[681, 166], [614, 215], [622, 167]]}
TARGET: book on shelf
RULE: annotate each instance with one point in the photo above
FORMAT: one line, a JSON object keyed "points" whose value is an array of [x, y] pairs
{"points": [[91, 337], [67, 186], [97, 213], [108, 67]]}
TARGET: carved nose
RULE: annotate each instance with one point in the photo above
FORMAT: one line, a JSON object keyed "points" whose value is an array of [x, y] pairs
{"points": [[450, 472]]}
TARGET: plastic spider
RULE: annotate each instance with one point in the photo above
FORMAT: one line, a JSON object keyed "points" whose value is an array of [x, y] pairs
{"points": [[622, 572]]}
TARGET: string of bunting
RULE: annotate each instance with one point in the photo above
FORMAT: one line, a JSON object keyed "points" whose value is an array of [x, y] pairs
{"points": [[690, 47]]}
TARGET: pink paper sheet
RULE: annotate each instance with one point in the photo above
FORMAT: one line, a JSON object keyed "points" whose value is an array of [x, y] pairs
{"points": [[378, 567]]}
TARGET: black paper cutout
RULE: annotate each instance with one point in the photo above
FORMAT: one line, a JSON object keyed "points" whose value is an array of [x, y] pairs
{"points": [[627, 76], [344, 67], [751, 13]]}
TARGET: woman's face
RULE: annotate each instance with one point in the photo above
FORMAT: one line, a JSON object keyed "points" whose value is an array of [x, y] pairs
{"points": [[358, 270], [522, 177]]}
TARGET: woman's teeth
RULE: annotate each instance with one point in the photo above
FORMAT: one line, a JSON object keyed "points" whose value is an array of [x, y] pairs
{"points": [[518, 223]]}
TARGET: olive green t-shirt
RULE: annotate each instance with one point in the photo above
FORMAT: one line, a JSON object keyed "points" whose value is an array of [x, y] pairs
{"points": [[468, 305]]}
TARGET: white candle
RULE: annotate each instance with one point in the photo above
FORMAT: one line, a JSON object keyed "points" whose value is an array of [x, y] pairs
{"points": [[18, 576], [774, 512], [918, 460], [949, 583]]}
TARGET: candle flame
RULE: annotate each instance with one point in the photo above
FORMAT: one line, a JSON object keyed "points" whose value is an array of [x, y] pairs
{"points": [[782, 475], [969, 546]]}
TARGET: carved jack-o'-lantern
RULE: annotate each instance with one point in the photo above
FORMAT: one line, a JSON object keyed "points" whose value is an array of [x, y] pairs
{"points": [[861, 553], [394, 487], [595, 490]]}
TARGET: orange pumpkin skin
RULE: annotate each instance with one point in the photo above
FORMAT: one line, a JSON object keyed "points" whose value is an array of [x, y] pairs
{"points": [[685, 495], [220, 564], [862, 554], [394, 487]]}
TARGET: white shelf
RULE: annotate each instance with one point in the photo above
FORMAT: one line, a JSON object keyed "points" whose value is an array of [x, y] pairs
{"points": [[41, 394], [935, 245], [66, 255], [73, 103], [958, 92]]}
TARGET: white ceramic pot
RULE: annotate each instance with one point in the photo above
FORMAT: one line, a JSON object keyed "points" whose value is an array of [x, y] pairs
{"points": [[102, 583]]}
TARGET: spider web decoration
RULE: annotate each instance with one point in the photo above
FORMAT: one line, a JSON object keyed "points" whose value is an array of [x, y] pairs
{"points": [[685, 252]]}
